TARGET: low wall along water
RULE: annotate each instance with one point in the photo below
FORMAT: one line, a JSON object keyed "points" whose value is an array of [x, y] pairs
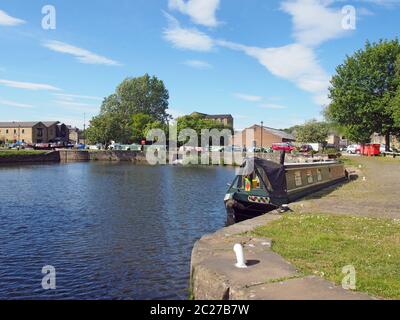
{"points": [[128, 156]]}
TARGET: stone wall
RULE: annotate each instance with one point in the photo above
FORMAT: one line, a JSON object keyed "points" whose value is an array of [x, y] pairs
{"points": [[52, 156], [104, 155]]}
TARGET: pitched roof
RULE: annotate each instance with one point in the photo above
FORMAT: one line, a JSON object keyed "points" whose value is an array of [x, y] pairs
{"points": [[277, 132], [26, 124], [16, 124], [50, 123]]}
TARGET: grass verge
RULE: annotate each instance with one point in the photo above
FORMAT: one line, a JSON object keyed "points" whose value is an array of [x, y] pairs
{"points": [[17, 153], [323, 244]]}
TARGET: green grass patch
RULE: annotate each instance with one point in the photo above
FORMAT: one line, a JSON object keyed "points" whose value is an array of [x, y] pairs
{"points": [[349, 161], [321, 244], [18, 153]]}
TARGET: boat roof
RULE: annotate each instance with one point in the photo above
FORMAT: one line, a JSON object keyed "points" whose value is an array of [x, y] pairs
{"points": [[275, 173]]}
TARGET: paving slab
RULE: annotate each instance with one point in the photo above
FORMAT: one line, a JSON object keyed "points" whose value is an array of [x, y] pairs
{"points": [[307, 288]]}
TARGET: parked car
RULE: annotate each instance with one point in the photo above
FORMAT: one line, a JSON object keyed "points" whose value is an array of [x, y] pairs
{"points": [[233, 149], [306, 148], [80, 146], [353, 149], [115, 146], [93, 147], [131, 147], [383, 148], [42, 146], [288, 147], [216, 148], [253, 150]]}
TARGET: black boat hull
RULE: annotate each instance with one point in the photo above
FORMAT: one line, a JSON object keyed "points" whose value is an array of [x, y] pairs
{"points": [[238, 211]]}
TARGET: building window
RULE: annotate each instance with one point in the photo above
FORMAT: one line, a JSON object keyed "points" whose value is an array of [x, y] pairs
{"points": [[309, 177], [297, 179], [7, 131], [15, 131], [40, 132], [23, 131], [319, 175]]}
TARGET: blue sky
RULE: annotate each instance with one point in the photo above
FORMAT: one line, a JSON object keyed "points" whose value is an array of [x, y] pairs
{"points": [[258, 60]]}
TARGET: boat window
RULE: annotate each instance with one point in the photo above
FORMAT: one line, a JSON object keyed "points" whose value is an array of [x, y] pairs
{"points": [[310, 176], [319, 174], [264, 178], [297, 179], [256, 181]]}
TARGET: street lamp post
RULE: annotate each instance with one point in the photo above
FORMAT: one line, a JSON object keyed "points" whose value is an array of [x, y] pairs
{"points": [[262, 129], [84, 129]]}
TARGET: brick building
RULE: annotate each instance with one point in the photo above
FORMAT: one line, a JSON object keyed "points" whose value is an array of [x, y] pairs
{"points": [[264, 137], [33, 132]]}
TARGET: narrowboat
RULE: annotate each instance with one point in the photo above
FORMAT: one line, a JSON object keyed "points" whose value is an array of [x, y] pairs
{"points": [[262, 186]]}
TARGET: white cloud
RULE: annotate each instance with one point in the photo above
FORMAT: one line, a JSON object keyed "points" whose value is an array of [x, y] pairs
{"points": [[296, 63], [272, 106], [82, 55], [15, 104], [248, 97], [76, 96], [200, 11], [183, 38], [198, 64], [314, 22], [7, 20], [28, 85]]}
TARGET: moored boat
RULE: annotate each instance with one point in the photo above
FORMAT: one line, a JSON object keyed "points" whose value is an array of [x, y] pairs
{"points": [[262, 186]]}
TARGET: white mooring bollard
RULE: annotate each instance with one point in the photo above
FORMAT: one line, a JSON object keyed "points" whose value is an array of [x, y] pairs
{"points": [[241, 262]]}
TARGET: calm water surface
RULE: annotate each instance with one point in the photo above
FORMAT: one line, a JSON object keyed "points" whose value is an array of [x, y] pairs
{"points": [[112, 231]]}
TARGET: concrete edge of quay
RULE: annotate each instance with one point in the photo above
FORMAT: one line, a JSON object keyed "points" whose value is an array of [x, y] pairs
{"points": [[75, 156], [137, 157], [214, 275]]}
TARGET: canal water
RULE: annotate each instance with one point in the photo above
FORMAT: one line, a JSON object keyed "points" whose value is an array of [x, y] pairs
{"points": [[111, 231]]}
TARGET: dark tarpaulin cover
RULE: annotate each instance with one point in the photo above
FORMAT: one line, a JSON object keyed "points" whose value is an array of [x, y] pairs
{"points": [[276, 175]]}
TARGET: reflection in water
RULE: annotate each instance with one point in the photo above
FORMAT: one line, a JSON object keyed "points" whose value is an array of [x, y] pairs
{"points": [[112, 231]]}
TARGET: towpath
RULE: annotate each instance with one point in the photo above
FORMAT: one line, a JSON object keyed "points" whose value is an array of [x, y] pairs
{"points": [[375, 193]]}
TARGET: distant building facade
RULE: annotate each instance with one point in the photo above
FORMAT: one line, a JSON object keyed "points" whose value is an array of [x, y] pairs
{"points": [[33, 132], [264, 137], [225, 119], [75, 135], [379, 139]]}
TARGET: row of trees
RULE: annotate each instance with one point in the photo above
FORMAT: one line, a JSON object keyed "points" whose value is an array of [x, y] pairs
{"points": [[365, 93], [365, 97], [137, 106]]}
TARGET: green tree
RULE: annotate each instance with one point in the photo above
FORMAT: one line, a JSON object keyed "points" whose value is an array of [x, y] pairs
{"points": [[198, 123], [313, 132], [142, 123], [363, 90], [103, 129], [142, 95], [138, 125], [395, 105]]}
